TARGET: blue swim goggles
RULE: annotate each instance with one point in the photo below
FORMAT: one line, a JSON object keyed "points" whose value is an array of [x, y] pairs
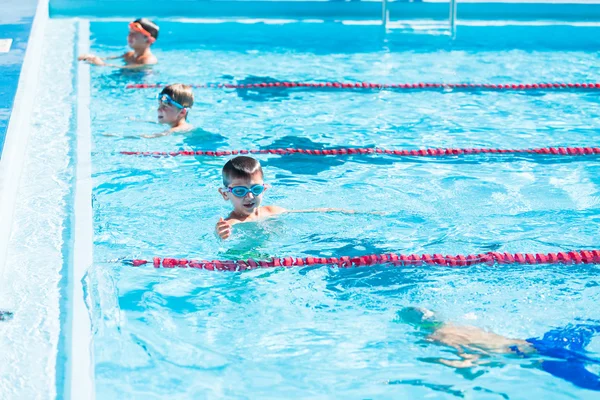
{"points": [[164, 98], [242, 191]]}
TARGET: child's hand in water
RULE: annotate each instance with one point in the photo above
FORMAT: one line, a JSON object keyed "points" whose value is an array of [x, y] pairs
{"points": [[223, 228], [91, 59], [96, 61]]}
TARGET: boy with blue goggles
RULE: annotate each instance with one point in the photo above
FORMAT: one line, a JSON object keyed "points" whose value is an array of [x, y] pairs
{"points": [[244, 186], [164, 98], [174, 104]]}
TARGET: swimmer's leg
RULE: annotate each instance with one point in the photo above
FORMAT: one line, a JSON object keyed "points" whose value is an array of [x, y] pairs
{"points": [[571, 337], [574, 372], [420, 318], [568, 344]]}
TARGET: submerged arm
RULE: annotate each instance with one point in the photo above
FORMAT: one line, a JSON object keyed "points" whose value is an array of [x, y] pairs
{"points": [[130, 66], [92, 57], [149, 136], [467, 361], [115, 57], [95, 60], [160, 134], [336, 210]]}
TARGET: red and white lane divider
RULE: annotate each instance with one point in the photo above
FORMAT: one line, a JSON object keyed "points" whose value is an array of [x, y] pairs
{"points": [[386, 86], [391, 259], [432, 152]]}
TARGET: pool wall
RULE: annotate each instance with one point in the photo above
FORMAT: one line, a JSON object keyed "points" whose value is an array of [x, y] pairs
{"points": [[484, 10]]}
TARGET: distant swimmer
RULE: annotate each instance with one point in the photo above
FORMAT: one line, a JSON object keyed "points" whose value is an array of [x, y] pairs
{"points": [[142, 34]]}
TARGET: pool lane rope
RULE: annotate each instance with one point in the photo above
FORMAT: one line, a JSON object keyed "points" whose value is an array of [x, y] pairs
{"points": [[431, 152], [391, 259], [386, 86]]}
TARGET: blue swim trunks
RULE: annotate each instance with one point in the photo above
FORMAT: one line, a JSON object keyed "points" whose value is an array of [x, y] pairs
{"points": [[567, 346]]}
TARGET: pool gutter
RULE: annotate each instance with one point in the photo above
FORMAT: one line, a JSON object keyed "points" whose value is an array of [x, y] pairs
{"points": [[80, 367]]}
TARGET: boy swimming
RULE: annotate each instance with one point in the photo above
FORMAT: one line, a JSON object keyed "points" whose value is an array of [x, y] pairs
{"points": [[174, 104], [244, 186], [142, 34], [565, 346]]}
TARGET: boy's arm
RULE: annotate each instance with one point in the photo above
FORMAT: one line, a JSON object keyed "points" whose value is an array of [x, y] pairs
{"points": [[89, 57], [160, 134], [274, 210], [323, 210], [336, 210], [148, 136], [116, 57], [130, 66], [95, 60], [467, 361]]}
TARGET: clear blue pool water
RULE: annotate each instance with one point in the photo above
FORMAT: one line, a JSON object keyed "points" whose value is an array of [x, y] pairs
{"points": [[15, 23], [326, 333]]}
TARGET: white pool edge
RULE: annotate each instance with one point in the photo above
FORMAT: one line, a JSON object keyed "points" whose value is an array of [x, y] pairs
{"points": [[17, 134], [80, 367]]}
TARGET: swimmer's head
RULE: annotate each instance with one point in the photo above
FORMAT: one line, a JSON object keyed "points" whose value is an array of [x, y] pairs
{"points": [[421, 318], [142, 33], [174, 103], [243, 184]]}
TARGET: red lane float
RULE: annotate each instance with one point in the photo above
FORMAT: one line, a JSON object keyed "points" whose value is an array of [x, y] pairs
{"points": [[391, 259], [386, 86], [438, 152]]}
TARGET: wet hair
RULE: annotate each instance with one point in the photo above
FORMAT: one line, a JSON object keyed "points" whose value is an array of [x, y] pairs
{"points": [[148, 25], [180, 93], [240, 167]]}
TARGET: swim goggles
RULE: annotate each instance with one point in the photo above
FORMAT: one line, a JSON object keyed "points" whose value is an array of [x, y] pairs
{"points": [[168, 100], [242, 191], [137, 27]]}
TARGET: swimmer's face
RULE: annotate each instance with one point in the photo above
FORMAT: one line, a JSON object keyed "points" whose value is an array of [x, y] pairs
{"points": [[249, 203], [169, 114], [136, 40]]}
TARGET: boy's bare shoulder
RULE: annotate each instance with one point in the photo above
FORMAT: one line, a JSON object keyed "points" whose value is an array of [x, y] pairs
{"points": [[147, 60]]}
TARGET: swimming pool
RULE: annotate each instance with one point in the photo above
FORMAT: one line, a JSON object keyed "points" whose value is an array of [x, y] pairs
{"points": [[310, 331], [316, 331]]}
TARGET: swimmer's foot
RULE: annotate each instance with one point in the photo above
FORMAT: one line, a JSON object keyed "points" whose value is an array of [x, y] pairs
{"points": [[420, 318]]}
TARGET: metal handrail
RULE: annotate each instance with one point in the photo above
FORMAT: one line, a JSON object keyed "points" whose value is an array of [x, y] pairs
{"points": [[385, 14], [452, 19]]}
